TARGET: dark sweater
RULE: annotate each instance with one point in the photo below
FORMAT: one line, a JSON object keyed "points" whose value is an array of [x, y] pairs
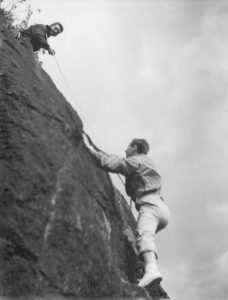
{"points": [[38, 35]]}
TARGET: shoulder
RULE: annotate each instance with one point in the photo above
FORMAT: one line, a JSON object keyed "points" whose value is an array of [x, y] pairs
{"points": [[43, 27], [133, 160], [39, 27], [147, 162], [143, 159]]}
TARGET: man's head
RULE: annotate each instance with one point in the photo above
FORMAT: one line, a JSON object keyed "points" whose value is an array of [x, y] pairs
{"points": [[137, 146], [56, 28]]}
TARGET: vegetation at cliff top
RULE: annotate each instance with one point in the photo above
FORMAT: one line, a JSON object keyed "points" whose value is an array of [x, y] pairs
{"points": [[17, 14]]}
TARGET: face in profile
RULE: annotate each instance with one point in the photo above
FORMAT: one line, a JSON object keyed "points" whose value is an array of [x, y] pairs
{"points": [[131, 150]]}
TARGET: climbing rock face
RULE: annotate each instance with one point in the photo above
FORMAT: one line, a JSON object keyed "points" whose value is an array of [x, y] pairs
{"points": [[64, 229]]}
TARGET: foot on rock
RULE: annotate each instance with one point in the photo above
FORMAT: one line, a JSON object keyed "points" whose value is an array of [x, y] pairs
{"points": [[152, 274]]}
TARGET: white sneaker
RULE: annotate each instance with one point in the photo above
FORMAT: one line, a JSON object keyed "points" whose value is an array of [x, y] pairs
{"points": [[151, 274]]}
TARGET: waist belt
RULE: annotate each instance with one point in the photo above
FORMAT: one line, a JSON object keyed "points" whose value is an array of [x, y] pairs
{"points": [[152, 192]]}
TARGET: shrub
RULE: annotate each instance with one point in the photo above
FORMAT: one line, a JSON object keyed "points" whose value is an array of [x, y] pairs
{"points": [[10, 11]]}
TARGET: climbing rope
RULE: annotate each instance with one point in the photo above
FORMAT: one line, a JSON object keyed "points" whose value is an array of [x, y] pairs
{"points": [[73, 96], [83, 115]]}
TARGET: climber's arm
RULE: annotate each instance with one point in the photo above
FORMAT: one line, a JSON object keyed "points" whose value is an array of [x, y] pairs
{"points": [[111, 162], [43, 43]]}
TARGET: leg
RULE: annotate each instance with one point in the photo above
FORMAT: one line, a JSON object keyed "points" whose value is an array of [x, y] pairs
{"points": [[149, 257], [147, 226]]}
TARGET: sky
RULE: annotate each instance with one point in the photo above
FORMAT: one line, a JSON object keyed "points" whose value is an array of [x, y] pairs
{"points": [[158, 70]]}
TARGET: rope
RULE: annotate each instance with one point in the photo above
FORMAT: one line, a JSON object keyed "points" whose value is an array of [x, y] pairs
{"points": [[73, 96]]}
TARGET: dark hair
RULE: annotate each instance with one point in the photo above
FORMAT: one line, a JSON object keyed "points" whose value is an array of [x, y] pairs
{"points": [[60, 25], [141, 144]]}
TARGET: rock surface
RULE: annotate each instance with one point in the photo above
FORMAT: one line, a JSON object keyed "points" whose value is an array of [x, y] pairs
{"points": [[64, 229]]}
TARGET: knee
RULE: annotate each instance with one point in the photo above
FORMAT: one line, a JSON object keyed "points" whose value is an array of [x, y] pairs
{"points": [[164, 220], [145, 241]]}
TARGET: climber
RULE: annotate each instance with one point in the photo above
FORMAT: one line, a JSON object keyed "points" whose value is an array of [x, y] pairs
{"points": [[36, 35], [143, 185]]}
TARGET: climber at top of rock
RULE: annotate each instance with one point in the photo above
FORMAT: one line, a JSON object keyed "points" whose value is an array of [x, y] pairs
{"points": [[143, 185], [37, 36]]}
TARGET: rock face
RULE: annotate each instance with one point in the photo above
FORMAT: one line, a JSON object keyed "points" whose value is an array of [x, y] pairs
{"points": [[64, 229]]}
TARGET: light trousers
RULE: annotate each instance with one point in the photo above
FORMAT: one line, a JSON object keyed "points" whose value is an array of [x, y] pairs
{"points": [[153, 216]]}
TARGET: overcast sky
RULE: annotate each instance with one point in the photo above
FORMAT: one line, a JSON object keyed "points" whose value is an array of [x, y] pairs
{"points": [[158, 70]]}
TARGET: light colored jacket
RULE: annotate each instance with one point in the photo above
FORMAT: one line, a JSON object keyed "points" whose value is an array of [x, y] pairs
{"points": [[140, 172]]}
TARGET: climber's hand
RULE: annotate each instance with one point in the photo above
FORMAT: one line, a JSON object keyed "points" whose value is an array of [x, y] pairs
{"points": [[51, 51], [93, 151], [87, 143]]}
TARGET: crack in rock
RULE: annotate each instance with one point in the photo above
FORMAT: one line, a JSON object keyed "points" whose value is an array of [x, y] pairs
{"points": [[58, 190]]}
